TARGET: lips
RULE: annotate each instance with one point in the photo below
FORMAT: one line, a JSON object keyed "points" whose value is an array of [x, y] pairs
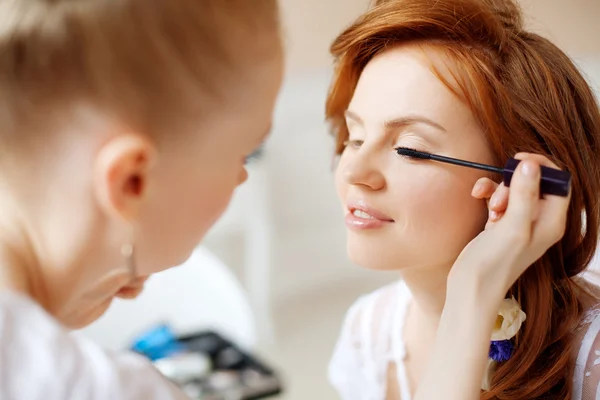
{"points": [[133, 290], [362, 210], [364, 217]]}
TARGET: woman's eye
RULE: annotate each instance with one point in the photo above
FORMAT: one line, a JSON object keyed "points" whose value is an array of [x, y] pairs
{"points": [[255, 155], [353, 144], [411, 143]]}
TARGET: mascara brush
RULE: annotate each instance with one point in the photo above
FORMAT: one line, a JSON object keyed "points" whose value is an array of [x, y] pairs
{"points": [[553, 181]]}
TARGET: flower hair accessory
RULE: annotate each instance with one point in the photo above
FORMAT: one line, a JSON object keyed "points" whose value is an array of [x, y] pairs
{"points": [[508, 322]]}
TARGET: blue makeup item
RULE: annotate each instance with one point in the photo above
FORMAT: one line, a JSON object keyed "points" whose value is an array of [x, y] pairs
{"points": [[157, 343]]}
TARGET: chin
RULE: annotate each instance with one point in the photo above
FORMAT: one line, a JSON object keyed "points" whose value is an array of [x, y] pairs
{"points": [[91, 315], [372, 260], [154, 263], [184, 257], [374, 254]]}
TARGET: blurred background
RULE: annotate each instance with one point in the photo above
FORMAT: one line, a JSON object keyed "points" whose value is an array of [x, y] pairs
{"points": [[282, 239]]}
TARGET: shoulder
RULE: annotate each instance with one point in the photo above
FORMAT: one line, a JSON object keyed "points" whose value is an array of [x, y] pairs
{"points": [[586, 378], [35, 347], [367, 321], [17, 310], [363, 340], [590, 300]]}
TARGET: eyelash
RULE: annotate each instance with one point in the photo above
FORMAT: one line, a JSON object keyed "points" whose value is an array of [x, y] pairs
{"points": [[255, 155], [356, 144], [408, 148]]}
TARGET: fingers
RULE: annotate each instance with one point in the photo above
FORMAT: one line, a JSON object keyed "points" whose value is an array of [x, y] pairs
{"points": [[524, 196], [549, 213], [542, 160], [484, 188], [499, 202], [495, 194]]}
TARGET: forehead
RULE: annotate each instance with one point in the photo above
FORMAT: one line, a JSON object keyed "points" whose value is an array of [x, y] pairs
{"points": [[403, 81]]}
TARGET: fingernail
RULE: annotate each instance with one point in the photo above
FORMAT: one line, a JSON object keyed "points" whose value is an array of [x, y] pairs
{"points": [[530, 169], [494, 202], [493, 215]]}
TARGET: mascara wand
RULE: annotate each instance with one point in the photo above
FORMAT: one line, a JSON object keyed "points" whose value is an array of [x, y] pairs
{"points": [[553, 182]]}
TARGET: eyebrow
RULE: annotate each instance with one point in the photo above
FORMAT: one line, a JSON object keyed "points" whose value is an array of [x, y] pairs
{"points": [[399, 122]]}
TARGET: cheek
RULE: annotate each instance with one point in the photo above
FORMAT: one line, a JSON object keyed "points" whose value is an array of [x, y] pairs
{"points": [[205, 203], [440, 211], [205, 208], [435, 215], [431, 202], [341, 186], [179, 219], [87, 317]]}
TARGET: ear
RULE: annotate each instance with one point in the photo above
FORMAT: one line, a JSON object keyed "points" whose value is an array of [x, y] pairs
{"points": [[121, 174]]}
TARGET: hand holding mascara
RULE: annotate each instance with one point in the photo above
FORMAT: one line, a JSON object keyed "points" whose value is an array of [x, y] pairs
{"points": [[553, 181]]}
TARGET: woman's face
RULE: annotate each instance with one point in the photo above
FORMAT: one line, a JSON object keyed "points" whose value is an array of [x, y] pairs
{"points": [[195, 183], [187, 191], [404, 213]]}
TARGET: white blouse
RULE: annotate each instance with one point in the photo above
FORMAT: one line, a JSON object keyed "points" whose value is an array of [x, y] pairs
{"points": [[371, 339], [40, 360]]}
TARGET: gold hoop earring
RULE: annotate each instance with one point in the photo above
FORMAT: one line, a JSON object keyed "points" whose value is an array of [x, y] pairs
{"points": [[128, 252]]}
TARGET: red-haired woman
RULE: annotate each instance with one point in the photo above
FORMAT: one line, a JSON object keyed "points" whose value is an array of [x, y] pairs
{"points": [[490, 304]]}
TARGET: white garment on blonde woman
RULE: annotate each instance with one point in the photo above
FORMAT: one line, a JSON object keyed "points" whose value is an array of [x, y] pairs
{"points": [[40, 360]]}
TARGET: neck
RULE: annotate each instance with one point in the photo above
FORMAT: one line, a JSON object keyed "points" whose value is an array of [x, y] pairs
{"points": [[18, 262], [13, 276], [428, 288]]}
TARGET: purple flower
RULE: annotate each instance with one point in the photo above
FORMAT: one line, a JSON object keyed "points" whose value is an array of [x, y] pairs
{"points": [[501, 350]]}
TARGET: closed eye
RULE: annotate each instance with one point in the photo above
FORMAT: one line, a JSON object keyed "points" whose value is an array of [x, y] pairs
{"points": [[409, 153], [255, 155], [353, 144]]}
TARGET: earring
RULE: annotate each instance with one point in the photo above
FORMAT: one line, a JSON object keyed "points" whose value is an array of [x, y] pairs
{"points": [[128, 252]]}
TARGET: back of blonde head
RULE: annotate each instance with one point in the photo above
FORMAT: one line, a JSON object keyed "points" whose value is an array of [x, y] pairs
{"points": [[151, 64]]}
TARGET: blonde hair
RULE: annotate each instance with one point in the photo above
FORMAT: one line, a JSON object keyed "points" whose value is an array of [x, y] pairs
{"points": [[148, 63]]}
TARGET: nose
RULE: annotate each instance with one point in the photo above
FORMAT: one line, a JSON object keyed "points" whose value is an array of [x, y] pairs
{"points": [[362, 170], [243, 176]]}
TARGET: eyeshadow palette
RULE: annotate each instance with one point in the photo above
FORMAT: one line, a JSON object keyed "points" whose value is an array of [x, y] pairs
{"points": [[207, 366]]}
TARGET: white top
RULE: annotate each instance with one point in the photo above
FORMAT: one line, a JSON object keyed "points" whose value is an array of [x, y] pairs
{"points": [[39, 359], [371, 339]]}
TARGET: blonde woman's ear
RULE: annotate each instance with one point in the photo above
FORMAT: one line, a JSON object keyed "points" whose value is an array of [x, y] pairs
{"points": [[121, 174]]}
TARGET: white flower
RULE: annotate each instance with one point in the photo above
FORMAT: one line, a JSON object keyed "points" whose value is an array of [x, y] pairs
{"points": [[509, 320]]}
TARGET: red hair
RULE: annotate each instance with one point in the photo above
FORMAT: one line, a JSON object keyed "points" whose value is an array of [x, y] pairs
{"points": [[530, 97]]}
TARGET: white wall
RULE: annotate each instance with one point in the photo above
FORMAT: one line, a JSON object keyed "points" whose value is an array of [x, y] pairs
{"points": [[590, 66], [572, 25], [311, 26]]}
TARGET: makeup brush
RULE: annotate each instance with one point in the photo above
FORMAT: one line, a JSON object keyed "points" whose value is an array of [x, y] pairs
{"points": [[553, 182]]}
